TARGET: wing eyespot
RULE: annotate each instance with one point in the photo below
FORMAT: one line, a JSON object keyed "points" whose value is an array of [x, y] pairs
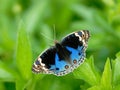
{"points": [[83, 36], [75, 61], [66, 66], [38, 66]]}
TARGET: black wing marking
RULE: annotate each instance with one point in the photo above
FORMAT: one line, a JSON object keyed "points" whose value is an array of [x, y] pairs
{"points": [[72, 41], [48, 57]]}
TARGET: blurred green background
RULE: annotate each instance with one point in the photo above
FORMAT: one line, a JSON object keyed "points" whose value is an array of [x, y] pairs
{"points": [[27, 28]]}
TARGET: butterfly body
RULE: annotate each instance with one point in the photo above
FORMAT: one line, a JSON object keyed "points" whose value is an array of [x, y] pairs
{"points": [[65, 56]]}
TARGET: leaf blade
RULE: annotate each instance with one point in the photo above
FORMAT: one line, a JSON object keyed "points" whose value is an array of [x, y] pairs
{"points": [[23, 54], [106, 80]]}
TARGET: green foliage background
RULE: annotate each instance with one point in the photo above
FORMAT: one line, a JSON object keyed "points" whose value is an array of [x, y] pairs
{"points": [[27, 28]]}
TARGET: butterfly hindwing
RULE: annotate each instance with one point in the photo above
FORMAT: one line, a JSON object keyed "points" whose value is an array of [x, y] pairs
{"points": [[65, 56]]}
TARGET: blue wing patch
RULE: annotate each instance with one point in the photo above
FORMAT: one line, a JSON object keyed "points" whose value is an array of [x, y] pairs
{"points": [[65, 56]]}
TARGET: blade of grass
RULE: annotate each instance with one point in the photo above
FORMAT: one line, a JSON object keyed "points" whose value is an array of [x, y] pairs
{"points": [[94, 88], [106, 77], [116, 70], [35, 14], [23, 54]]}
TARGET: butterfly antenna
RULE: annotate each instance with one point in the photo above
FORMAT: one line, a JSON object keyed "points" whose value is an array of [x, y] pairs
{"points": [[51, 40]]}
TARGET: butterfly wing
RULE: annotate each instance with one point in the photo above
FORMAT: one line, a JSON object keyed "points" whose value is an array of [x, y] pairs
{"points": [[44, 62], [65, 56], [76, 44]]}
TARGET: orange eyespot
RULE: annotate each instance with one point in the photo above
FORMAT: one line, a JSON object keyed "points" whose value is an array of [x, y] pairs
{"points": [[75, 61], [38, 66], [66, 66], [83, 36]]}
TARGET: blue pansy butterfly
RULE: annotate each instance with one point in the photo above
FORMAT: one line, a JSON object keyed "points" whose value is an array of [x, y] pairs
{"points": [[65, 56]]}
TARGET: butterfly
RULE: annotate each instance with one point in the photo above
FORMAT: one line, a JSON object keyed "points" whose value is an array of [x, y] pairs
{"points": [[64, 56]]}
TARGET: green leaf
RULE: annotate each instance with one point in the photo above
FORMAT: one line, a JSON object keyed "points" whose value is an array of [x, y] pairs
{"points": [[116, 87], [106, 77], [116, 70], [87, 72], [20, 84], [6, 74], [30, 85], [35, 14], [24, 55], [95, 88], [81, 10], [111, 3]]}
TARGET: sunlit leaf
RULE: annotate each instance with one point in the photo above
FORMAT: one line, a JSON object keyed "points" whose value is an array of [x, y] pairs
{"points": [[87, 72], [116, 70], [5, 73], [106, 80], [95, 88], [23, 54], [35, 14]]}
